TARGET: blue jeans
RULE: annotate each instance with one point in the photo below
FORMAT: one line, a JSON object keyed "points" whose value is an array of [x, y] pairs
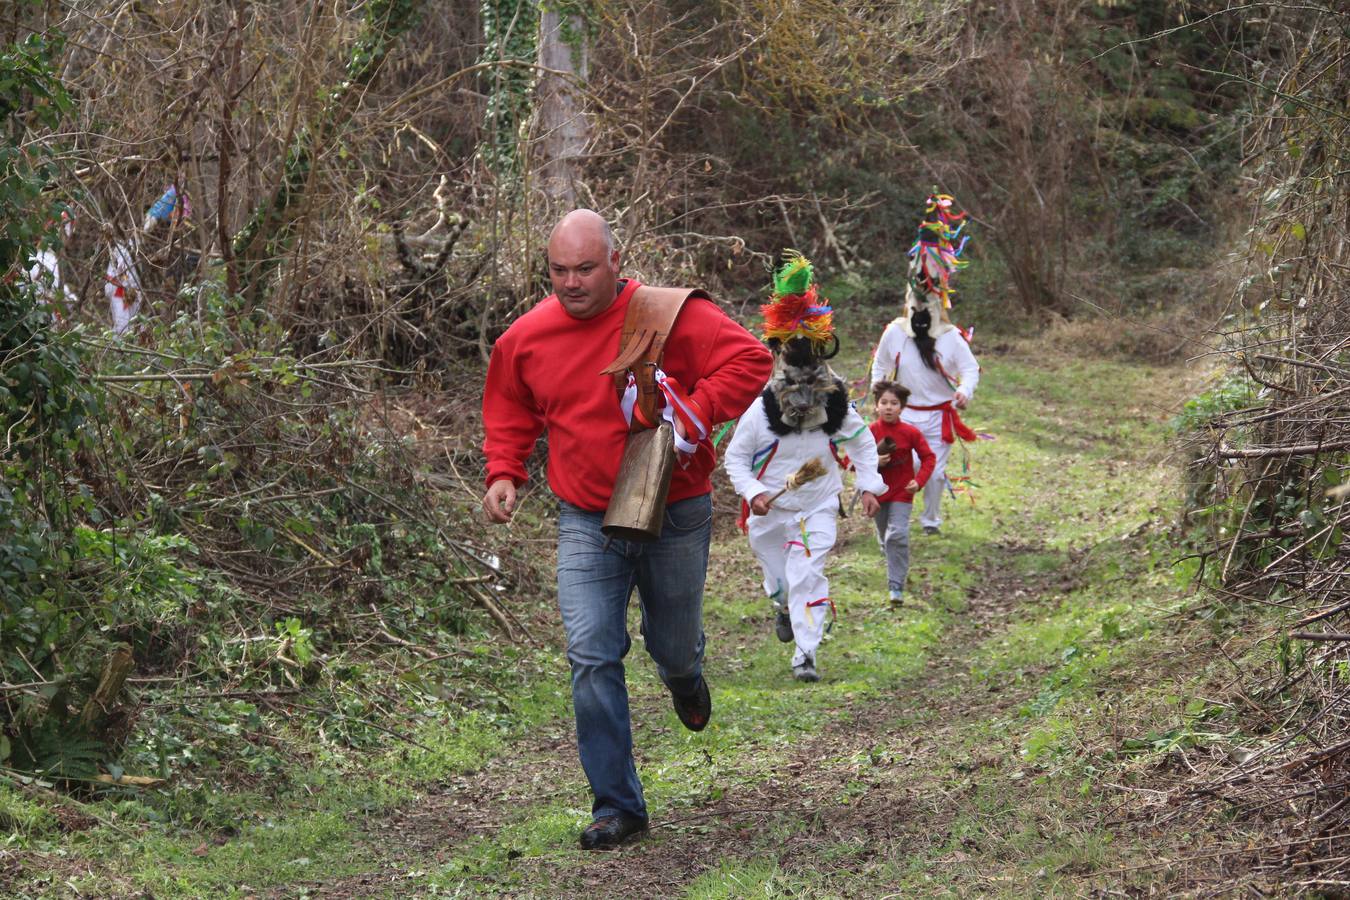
{"points": [[596, 576]]}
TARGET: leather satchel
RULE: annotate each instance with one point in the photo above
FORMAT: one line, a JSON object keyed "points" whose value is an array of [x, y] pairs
{"points": [[637, 505]]}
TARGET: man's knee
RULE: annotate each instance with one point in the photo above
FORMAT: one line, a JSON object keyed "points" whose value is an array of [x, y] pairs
{"points": [[678, 658], [589, 651]]}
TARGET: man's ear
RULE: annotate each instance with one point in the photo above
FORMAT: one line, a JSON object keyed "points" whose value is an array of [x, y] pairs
{"points": [[614, 260]]}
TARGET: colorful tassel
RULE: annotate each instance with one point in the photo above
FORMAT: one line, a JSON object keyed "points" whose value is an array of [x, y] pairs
{"points": [[796, 308], [935, 253]]}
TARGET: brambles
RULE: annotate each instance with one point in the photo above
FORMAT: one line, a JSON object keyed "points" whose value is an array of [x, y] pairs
{"points": [[1273, 454]]}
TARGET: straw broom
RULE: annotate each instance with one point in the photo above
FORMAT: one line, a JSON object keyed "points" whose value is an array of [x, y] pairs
{"points": [[809, 471]]}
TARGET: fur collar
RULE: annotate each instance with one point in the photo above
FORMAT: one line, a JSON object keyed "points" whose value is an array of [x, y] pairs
{"points": [[836, 407]]}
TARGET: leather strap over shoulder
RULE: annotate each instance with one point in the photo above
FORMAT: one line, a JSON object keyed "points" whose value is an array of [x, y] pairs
{"points": [[651, 315]]}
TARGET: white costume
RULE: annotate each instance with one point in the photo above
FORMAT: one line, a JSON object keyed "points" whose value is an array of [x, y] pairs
{"points": [[122, 285], [897, 359], [44, 272], [793, 541]]}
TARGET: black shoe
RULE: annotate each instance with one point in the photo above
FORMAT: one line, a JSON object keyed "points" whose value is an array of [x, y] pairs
{"points": [[806, 670], [782, 625], [611, 831], [694, 709], [931, 529]]}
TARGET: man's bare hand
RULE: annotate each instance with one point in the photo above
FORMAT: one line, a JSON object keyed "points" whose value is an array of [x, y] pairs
{"points": [[500, 501], [960, 400], [762, 503], [913, 486], [883, 460], [870, 504]]}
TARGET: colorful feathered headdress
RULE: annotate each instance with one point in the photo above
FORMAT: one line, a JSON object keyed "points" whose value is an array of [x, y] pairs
{"points": [[796, 309], [936, 254]]}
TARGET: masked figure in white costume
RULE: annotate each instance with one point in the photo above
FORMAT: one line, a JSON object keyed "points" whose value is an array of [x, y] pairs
{"points": [[783, 462], [927, 354]]}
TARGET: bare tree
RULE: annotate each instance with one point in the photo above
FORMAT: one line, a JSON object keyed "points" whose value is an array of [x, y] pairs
{"points": [[564, 129]]}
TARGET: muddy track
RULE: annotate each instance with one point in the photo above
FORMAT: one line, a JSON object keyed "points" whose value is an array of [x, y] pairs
{"points": [[901, 806]]}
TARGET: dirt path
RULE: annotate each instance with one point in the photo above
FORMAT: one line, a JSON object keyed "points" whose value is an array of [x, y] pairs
{"points": [[912, 768], [901, 810]]}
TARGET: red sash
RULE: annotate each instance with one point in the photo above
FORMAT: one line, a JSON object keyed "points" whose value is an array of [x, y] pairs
{"points": [[952, 426]]}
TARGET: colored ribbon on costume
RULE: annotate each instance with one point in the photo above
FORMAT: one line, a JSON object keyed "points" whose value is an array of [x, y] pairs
{"points": [[963, 483], [823, 601], [678, 406], [952, 426], [842, 459], [804, 543], [743, 523]]}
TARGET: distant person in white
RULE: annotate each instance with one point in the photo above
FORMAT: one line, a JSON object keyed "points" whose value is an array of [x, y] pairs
{"points": [[44, 273], [122, 285], [927, 354]]}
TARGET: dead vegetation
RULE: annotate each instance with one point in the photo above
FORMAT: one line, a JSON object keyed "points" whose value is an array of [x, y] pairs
{"points": [[1272, 467]]}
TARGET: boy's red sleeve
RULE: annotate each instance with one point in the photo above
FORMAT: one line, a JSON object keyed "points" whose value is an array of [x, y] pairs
{"points": [[926, 458], [511, 423]]}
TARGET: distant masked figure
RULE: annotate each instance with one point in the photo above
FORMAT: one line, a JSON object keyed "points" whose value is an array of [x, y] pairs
{"points": [[44, 273], [122, 285], [924, 352], [122, 281]]}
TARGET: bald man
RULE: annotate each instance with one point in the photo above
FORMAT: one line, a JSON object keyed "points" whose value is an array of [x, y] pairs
{"points": [[545, 375]]}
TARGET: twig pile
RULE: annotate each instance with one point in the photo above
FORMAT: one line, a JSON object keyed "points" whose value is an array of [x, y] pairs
{"points": [[1280, 467]]}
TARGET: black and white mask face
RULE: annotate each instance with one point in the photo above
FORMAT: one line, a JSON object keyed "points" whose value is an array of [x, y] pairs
{"points": [[802, 392], [920, 304]]}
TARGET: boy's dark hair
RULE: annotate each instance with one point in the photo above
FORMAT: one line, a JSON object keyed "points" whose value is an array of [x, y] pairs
{"points": [[890, 387]]}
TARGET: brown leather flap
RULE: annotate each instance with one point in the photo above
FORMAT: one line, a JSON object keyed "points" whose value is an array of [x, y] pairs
{"points": [[651, 315]]}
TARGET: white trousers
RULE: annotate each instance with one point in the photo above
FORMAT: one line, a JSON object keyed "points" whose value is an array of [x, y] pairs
{"points": [[792, 548], [929, 424]]}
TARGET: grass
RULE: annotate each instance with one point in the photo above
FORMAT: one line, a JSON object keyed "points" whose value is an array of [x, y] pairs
{"points": [[961, 746]]}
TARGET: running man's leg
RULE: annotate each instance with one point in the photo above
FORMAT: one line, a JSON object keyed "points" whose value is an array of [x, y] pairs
{"points": [[937, 482], [670, 579], [808, 549], [766, 541], [595, 579]]}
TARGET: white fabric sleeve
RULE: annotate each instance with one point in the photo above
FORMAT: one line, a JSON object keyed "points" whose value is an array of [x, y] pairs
{"points": [[883, 361], [741, 450], [967, 368], [857, 440]]}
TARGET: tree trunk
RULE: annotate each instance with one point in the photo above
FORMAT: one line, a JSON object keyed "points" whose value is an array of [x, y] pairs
{"points": [[116, 668], [564, 129]]}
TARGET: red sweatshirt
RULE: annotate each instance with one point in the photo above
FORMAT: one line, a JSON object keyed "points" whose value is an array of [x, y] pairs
{"points": [[545, 373], [900, 470]]}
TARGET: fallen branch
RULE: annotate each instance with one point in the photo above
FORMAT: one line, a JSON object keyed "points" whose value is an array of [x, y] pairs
{"points": [[1227, 452]]}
